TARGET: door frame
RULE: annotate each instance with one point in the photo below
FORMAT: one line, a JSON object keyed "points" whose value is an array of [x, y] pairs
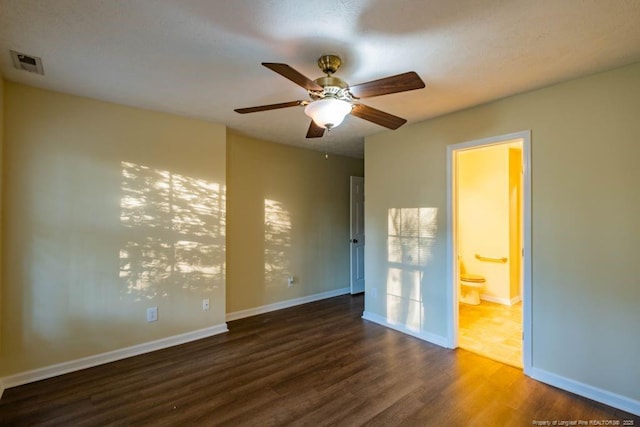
{"points": [[452, 273]]}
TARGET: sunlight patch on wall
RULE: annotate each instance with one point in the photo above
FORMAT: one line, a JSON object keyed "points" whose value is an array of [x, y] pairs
{"points": [[411, 235], [177, 228], [277, 243], [404, 283], [410, 241]]}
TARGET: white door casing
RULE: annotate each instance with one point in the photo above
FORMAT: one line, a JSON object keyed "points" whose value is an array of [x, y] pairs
{"points": [[452, 273]]}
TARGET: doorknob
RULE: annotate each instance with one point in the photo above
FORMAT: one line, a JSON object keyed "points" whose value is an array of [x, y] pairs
{"points": [[354, 241]]}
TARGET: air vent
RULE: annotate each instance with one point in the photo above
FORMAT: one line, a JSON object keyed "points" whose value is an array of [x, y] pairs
{"points": [[29, 63]]}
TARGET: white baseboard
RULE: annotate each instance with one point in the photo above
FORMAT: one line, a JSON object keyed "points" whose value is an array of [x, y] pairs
{"points": [[111, 356], [603, 396], [241, 314], [498, 300], [425, 336]]}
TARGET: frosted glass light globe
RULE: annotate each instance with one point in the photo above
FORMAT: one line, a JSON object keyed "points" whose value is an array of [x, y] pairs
{"points": [[328, 112]]}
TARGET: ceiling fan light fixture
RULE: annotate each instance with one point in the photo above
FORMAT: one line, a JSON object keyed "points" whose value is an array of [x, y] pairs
{"points": [[328, 113], [332, 98]]}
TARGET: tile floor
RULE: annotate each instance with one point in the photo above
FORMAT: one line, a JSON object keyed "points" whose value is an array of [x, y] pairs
{"points": [[492, 330]]}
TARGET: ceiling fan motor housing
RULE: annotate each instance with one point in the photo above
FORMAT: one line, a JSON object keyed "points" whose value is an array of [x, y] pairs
{"points": [[332, 87]]}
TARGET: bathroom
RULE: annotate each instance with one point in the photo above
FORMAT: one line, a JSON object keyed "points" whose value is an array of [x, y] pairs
{"points": [[488, 204]]}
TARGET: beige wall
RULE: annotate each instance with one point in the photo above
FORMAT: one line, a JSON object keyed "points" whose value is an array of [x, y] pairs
{"points": [[585, 210], [483, 215], [108, 210], [288, 215], [516, 220]]}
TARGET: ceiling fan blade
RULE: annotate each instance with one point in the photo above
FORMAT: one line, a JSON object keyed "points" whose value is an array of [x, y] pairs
{"points": [[315, 131], [393, 84], [378, 117], [289, 73], [268, 107]]}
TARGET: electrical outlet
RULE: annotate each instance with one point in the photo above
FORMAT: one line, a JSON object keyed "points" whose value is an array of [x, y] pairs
{"points": [[290, 282], [152, 314], [205, 304]]}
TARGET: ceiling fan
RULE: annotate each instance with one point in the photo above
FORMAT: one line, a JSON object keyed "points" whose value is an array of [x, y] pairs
{"points": [[332, 98]]}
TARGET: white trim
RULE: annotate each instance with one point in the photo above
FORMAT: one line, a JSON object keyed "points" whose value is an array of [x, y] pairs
{"points": [[110, 356], [527, 325], [603, 396], [452, 274], [425, 336], [241, 314], [452, 293], [499, 300]]}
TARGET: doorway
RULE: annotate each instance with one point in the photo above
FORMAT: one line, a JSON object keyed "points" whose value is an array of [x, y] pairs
{"points": [[488, 241]]}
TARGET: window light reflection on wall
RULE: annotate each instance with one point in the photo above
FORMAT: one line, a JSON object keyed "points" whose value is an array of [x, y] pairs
{"points": [[412, 235], [175, 228], [277, 242]]}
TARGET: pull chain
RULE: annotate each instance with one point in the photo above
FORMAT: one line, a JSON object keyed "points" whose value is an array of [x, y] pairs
{"points": [[326, 144]]}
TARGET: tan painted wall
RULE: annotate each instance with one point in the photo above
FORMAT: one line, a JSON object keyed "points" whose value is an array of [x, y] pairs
{"points": [[288, 214], [585, 210], [515, 222], [483, 215], [108, 210]]}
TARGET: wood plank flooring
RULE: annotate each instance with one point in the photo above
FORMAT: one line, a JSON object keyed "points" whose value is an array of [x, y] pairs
{"points": [[318, 364]]}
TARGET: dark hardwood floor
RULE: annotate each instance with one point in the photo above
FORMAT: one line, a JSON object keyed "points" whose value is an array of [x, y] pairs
{"points": [[315, 364]]}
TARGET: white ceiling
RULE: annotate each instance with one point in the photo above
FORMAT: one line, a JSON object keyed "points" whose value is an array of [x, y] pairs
{"points": [[202, 58]]}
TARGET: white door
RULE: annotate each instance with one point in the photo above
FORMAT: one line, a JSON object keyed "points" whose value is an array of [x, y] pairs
{"points": [[357, 234]]}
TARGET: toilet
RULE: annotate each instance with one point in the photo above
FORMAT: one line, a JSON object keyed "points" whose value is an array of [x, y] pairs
{"points": [[470, 286]]}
